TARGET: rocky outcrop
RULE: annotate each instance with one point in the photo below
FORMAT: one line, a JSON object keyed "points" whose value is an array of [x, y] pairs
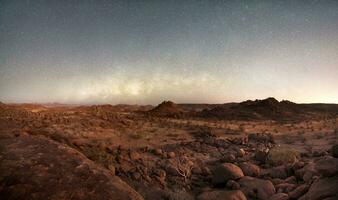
{"points": [[38, 168]]}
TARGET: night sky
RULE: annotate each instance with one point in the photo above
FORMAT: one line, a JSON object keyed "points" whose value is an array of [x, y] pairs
{"points": [[143, 52]]}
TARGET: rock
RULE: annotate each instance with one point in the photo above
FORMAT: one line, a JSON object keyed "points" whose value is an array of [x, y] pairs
{"points": [[134, 155], [171, 154], [334, 150], [278, 172], [233, 185], [279, 196], [277, 181], [307, 172], [261, 156], [174, 195], [222, 195], [158, 152], [250, 169], [257, 188], [206, 171], [161, 173], [323, 188], [299, 191], [225, 172], [171, 170], [298, 165], [196, 170], [285, 187], [327, 166], [229, 158], [240, 152], [39, 168], [291, 179], [112, 169], [136, 176]]}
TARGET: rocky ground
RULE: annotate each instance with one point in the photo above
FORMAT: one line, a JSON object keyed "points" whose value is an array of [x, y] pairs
{"points": [[99, 152]]}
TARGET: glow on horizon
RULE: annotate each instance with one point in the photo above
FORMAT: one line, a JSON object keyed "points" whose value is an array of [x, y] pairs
{"points": [[187, 52]]}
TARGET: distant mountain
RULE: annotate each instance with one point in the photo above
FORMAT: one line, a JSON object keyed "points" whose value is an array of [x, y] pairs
{"points": [[269, 108]]}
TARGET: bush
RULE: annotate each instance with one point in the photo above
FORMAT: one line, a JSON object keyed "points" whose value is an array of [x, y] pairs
{"points": [[280, 156]]}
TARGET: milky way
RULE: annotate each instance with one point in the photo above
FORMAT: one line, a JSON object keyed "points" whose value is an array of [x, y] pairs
{"points": [[143, 52]]}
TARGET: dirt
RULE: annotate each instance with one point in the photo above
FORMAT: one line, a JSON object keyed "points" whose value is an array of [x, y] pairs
{"points": [[160, 153]]}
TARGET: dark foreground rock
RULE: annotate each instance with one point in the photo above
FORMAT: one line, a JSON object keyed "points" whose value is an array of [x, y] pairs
{"points": [[257, 188], [225, 172], [38, 168], [222, 195], [324, 188]]}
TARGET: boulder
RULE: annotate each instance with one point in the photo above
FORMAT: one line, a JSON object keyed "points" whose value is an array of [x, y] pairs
{"points": [[279, 196], [334, 150], [299, 191], [306, 173], [323, 188], [171, 154], [278, 172], [261, 156], [327, 166], [158, 152], [134, 155], [229, 158], [225, 172], [250, 169], [39, 168], [233, 185], [240, 152], [257, 188], [291, 179], [222, 195], [285, 187]]}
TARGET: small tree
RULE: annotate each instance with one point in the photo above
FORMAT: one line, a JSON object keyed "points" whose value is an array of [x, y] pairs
{"points": [[183, 166]]}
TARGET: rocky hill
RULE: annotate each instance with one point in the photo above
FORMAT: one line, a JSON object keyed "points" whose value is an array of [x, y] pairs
{"points": [[167, 109], [269, 108]]}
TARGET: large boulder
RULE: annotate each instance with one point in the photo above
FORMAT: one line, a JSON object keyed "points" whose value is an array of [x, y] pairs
{"points": [[279, 196], [39, 168], [222, 195], [324, 188], [334, 150], [257, 188], [250, 169], [278, 172], [308, 172], [225, 172], [327, 166], [299, 191]]}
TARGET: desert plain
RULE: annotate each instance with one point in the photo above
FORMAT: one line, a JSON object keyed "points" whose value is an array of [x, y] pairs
{"points": [[261, 149]]}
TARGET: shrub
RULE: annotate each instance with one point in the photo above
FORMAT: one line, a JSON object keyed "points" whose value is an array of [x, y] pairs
{"points": [[280, 156]]}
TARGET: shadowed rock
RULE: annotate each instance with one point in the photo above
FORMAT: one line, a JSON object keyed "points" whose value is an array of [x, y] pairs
{"points": [[257, 188], [222, 195], [38, 168]]}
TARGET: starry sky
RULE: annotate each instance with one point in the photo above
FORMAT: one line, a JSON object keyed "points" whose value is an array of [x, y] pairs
{"points": [[144, 52]]}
